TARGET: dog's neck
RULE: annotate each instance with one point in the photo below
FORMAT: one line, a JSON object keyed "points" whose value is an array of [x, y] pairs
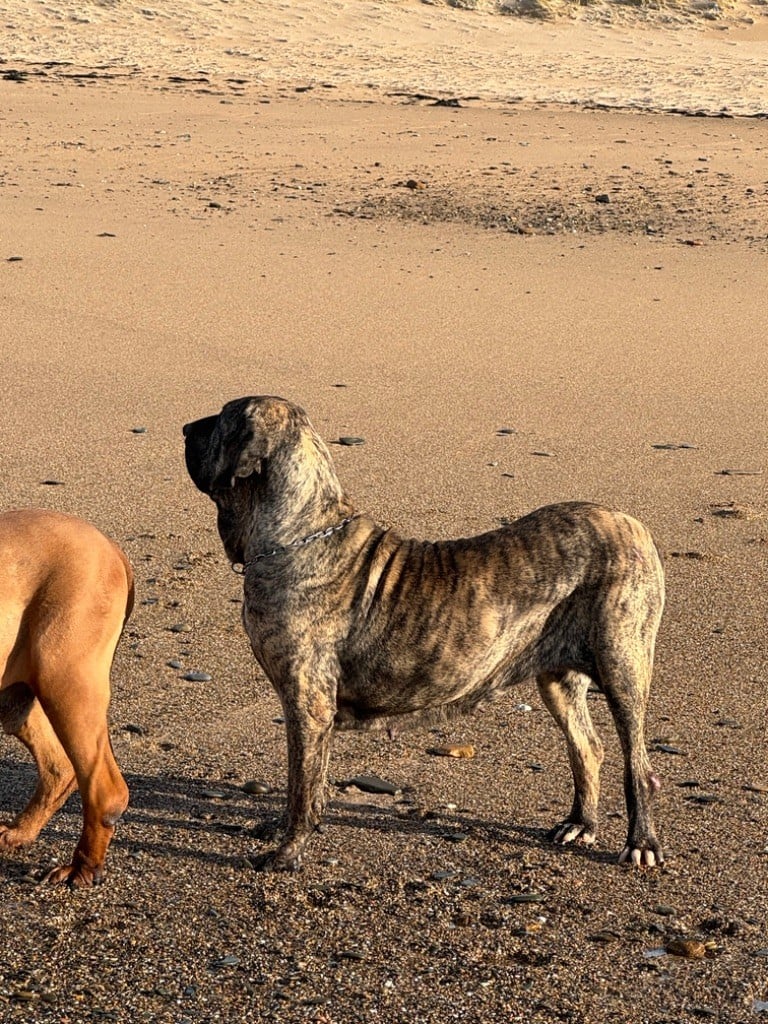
{"points": [[299, 494]]}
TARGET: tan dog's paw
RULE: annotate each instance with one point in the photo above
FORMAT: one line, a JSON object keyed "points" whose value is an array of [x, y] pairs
{"points": [[76, 876], [11, 837]]}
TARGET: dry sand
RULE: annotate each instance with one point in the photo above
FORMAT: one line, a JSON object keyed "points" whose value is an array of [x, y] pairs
{"points": [[211, 200]]}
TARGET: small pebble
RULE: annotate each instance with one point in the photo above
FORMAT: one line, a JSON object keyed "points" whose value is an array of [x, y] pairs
{"points": [[688, 949], [728, 511], [254, 787], [138, 430], [373, 784], [349, 441], [526, 897], [674, 446], [196, 676], [180, 627], [174, 663], [227, 961], [466, 751], [135, 730], [455, 837], [666, 748]]}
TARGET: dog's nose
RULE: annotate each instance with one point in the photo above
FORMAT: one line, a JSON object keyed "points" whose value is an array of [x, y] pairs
{"points": [[185, 429]]}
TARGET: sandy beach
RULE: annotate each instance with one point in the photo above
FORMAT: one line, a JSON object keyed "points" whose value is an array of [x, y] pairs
{"points": [[423, 223]]}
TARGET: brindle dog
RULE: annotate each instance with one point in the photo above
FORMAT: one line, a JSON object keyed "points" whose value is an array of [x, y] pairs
{"points": [[65, 594], [352, 623]]}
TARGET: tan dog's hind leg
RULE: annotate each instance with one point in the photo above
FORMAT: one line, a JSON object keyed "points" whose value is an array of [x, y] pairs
{"points": [[80, 722], [566, 699], [56, 775]]}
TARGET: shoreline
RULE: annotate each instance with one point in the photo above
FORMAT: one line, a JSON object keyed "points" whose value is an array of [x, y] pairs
{"points": [[374, 48]]}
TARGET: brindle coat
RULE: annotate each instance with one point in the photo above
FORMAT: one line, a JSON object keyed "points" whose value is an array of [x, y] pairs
{"points": [[361, 624], [65, 594]]}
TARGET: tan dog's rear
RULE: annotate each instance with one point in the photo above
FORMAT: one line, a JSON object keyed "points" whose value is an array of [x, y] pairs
{"points": [[65, 594]]}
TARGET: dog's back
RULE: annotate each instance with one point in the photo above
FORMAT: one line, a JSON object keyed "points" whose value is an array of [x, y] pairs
{"points": [[456, 620]]}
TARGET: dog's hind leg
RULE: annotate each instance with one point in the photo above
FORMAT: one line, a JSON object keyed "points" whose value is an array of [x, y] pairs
{"points": [[565, 696], [309, 711], [21, 715], [80, 723], [625, 681]]}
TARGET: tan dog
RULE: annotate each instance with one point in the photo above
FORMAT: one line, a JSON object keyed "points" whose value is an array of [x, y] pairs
{"points": [[65, 594], [352, 623]]}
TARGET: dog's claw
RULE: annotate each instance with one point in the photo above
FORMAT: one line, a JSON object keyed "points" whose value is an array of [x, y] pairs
{"points": [[641, 858], [572, 833]]}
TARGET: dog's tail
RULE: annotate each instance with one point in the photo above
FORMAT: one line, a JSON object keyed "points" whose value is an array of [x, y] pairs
{"points": [[130, 599]]}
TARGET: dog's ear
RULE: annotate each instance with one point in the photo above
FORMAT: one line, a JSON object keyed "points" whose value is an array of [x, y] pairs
{"points": [[233, 445], [245, 440], [247, 432]]}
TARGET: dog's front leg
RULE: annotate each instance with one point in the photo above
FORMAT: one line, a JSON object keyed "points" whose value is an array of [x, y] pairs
{"points": [[309, 707]]}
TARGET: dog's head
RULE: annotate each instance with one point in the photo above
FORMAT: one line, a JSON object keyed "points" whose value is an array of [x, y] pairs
{"points": [[262, 464]]}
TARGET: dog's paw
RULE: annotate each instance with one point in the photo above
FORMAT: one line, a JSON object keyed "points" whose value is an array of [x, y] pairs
{"points": [[277, 860], [647, 856], [572, 833], [76, 876], [12, 838]]}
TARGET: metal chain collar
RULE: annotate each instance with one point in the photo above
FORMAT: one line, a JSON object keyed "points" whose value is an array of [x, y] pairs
{"points": [[239, 567]]}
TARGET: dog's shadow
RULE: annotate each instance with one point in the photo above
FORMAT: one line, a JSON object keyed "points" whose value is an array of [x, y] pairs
{"points": [[193, 818]]}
